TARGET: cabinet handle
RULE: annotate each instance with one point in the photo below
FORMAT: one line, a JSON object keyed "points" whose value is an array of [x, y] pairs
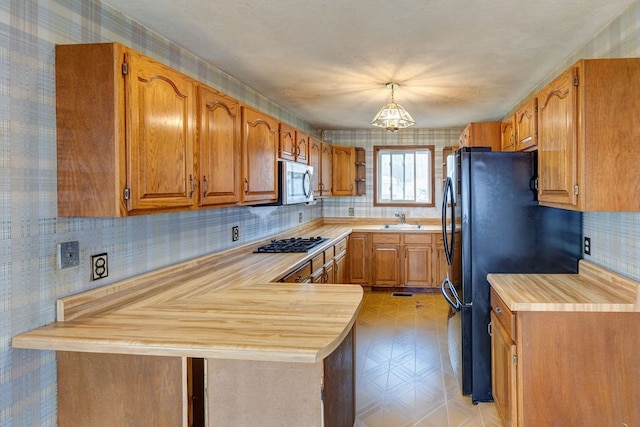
{"points": [[246, 185], [206, 186], [193, 186], [299, 279], [489, 331], [498, 310]]}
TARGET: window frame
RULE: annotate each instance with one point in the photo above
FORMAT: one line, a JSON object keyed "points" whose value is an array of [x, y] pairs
{"points": [[376, 151]]}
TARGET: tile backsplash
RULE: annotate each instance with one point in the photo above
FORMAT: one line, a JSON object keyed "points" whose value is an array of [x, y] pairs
{"points": [[30, 229]]}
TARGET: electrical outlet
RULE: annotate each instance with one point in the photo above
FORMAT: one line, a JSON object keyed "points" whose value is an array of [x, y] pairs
{"points": [[352, 212], [68, 254], [587, 246], [99, 266], [235, 233], [300, 217]]}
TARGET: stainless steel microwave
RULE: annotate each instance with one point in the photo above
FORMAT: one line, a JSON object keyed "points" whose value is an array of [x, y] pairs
{"points": [[295, 183]]}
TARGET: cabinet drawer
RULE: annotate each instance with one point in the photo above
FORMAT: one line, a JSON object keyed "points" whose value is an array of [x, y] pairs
{"points": [[317, 262], [385, 238], [328, 254], [421, 239], [506, 317], [302, 274], [341, 246]]}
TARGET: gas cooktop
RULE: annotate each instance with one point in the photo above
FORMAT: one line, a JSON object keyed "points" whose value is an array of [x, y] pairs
{"points": [[294, 244]]}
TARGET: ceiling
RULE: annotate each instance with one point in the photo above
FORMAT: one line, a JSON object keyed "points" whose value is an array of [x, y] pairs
{"points": [[327, 61]]}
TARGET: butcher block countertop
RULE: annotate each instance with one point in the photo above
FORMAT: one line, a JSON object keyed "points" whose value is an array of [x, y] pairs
{"points": [[223, 305], [593, 289]]}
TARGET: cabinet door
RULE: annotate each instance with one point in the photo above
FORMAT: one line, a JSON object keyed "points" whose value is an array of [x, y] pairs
{"points": [[329, 272], [417, 266], [327, 170], [359, 258], [302, 147], [260, 151], [557, 140], [503, 360], [315, 156], [527, 125], [218, 152], [507, 135], [386, 261], [287, 142], [160, 109], [340, 268], [344, 174]]}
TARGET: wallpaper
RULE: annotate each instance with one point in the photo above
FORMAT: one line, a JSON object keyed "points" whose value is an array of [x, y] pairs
{"points": [[30, 229]]}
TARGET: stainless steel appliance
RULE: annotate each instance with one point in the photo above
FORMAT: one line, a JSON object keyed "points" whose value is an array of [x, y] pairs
{"points": [[491, 196], [294, 244], [294, 183]]}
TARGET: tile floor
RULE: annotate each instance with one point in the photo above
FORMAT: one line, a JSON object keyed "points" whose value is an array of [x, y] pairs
{"points": [[403, 373]]}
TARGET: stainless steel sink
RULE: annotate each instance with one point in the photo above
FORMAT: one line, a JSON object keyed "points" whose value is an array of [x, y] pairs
{"points": [[401, 227]]}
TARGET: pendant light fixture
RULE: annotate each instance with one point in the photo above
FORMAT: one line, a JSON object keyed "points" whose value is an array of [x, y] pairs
{"points": [[392, 116]]}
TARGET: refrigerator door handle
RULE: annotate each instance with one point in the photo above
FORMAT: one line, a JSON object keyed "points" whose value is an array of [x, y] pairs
{"points": [[448, 199], [450, 294]]}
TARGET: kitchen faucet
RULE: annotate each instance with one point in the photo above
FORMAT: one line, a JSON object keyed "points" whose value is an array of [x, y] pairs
{"points": [[402, 217]]}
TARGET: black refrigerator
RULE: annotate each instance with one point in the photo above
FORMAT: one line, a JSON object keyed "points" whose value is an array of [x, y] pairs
{"points": [[491, 196]]}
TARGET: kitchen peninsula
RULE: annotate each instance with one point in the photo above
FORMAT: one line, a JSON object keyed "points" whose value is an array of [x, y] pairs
{"points": [[213, 339]]}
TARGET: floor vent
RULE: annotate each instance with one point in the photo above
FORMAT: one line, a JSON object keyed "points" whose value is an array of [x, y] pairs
{"points": [[401, 294]]}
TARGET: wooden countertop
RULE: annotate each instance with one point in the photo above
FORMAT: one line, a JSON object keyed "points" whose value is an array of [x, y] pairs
{"points": [[216, 306], [592, 289]]}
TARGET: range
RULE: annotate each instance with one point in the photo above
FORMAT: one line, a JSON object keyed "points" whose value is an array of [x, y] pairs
{"points": [[294, 244]]}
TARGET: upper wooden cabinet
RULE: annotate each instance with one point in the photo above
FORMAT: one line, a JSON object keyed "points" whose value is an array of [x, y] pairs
{"points": [[344, 171], [293, 144], [287, 142], [588, 137], [482, 134], [104, 167], [315, 159], [218, 148], [302, 147], [259, 157], [508, 134], [326, 165], [526, 126]]}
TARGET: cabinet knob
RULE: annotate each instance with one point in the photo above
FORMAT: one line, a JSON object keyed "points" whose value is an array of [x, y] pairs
{"points": [[498, 310]]}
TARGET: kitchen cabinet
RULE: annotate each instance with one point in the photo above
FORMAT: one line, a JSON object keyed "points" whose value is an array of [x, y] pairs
{"points": [[340, 262], [301, 274], [287, 142], [218, 148], [508, 134], [418, 261], [542, 360], [386, 250], [504, 361], [359, 254], [481, 134], [315, 157], [259, 157], [293, 144], [104, 167], [588, 137], [302, 147], [326, 165], [526, 126], [344, 173]]}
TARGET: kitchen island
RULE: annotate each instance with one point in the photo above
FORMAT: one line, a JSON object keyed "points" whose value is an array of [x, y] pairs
{"points": [[213, 340], [566, 348]]}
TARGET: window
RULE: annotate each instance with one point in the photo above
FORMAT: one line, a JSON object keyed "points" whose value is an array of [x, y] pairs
{"points": [[404, 175]]}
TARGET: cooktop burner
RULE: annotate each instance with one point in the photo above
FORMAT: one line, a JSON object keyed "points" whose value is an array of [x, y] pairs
{"points": [[294, 244]]}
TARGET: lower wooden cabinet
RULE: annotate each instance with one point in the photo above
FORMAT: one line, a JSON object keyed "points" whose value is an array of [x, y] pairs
{"points": [[565, 368], [414, 260]]}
